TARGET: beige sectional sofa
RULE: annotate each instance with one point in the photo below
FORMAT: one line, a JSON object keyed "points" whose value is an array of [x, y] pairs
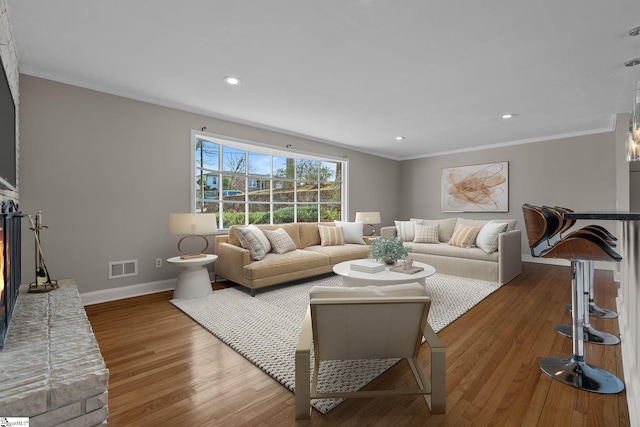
{"points": [[501, 265], [309, 258]]}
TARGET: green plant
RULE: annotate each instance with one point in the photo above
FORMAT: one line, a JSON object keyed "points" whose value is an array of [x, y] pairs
{"points": [[388, 248]]}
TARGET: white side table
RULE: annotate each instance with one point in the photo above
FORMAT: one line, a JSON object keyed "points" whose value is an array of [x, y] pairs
{"points": [[193, 279]]}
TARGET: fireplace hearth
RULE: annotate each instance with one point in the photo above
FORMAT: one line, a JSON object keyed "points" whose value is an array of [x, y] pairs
{"points": [[10, 263]]}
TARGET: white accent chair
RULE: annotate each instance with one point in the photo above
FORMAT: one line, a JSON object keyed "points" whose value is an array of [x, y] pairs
{"points": [[369, 323]]}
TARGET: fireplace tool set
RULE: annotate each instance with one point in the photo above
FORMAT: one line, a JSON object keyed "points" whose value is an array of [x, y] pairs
{"points": [[43, 282]]}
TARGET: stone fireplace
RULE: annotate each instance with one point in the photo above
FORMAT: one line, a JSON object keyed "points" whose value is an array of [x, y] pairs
{"points": [[51, 368]]}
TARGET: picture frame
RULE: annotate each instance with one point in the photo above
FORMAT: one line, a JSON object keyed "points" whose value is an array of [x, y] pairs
{"points": [[475, 188]]}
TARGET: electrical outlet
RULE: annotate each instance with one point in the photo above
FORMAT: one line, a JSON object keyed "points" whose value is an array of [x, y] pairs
{"points": [[158, 262]]}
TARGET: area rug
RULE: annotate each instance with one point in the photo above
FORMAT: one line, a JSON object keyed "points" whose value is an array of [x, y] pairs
{"points": [[265, 328]]}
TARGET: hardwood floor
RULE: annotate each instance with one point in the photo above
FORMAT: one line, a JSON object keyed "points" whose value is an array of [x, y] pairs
{"points": [[167, 370]]}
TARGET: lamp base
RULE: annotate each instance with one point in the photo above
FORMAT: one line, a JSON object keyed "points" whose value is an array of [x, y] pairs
{"points": [[372, 233], [193, 256]]}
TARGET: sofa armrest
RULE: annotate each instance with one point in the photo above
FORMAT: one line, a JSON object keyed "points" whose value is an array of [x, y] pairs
{"points": [[509, 253], [231, 260], [389, 231], [303, 369]]}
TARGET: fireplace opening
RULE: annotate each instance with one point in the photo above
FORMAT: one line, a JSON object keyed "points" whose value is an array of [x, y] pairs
{"points": [[10, 263]]}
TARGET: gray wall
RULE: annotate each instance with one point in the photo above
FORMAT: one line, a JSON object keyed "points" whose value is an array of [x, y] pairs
{"points": [[577, 172], [107, 171]]}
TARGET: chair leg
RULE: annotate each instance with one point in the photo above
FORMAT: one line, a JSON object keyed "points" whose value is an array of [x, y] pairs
{"points": [[437, 401], [590, 334], [303, 390], [575, 371], [302, 365], [594, 309]]}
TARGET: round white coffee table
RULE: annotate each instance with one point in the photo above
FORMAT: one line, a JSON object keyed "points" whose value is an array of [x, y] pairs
{"points": [[358, 278], [193, 279]]}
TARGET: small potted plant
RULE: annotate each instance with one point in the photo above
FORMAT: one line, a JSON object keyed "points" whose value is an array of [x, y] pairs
{"points": [[388, 249]]}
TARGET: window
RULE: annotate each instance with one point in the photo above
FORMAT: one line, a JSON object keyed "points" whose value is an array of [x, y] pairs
{"points": [[252, 184]]}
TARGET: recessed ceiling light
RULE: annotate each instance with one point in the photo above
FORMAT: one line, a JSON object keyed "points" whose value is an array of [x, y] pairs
{"points": [[399, 138], [233, 81], [508, 116]]}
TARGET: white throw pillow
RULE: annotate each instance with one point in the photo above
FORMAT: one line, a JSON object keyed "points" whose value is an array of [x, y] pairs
{"points": [[280, 241], [405, 230], [352, 231], [487, 238], [254, 240]]}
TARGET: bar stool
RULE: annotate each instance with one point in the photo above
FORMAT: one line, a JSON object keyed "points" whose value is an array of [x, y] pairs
{"points": [[580, 249], [559, 225], [594, 309]]}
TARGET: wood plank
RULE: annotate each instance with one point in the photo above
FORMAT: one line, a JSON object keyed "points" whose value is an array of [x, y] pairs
{"points": [[167, 370]]}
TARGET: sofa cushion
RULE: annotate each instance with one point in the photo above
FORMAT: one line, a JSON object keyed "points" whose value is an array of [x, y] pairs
{"points": [[280, 241], [445, 249], [309, 234], [426, 233], [278, 264], [254, 240], [464, 236], [446, 226], [352, 231], [338, 254], [330, 236], [487, 238]]}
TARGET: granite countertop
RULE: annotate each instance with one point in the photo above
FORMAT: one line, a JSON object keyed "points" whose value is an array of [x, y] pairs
{"points": [[604, 215]]}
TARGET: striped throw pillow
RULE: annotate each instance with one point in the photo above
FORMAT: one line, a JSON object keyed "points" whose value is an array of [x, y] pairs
{"points": [[405, 230], [330, 236], [280, 241], [254, 240], [464, 236], [426, 233]]}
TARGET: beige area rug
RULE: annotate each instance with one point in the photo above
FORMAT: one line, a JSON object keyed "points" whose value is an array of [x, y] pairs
{"points": [[265, 328]]}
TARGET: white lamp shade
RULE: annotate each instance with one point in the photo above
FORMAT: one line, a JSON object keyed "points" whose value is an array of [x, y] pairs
{"points": [[194, 224], [368, 217]]}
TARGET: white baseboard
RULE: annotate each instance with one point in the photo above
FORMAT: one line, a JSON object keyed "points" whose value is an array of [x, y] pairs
{"points": [[557, 261], [129, 291], [629, 365]]}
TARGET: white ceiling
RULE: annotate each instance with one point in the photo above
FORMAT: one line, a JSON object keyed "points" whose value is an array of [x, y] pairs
{"points": [[351, 72]]}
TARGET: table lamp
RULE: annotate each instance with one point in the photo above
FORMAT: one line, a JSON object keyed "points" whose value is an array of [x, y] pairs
{"points": [[369, 218], [192, 225]]}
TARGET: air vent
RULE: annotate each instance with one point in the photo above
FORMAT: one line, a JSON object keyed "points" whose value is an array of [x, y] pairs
{"points": [[118, 269]]}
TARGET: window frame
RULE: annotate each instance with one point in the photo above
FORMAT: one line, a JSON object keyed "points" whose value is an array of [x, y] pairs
{"points": [[273, 151]]}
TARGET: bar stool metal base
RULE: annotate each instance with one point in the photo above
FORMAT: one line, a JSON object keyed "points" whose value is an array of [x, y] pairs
{"points": [[591, 335], [579, 374], [598, 312]]}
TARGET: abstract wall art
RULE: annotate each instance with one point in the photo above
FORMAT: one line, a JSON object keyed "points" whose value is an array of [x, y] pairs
{"points": [[476, 188]]}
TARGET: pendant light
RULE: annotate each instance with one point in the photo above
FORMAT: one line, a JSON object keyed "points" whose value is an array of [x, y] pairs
{"points": [[633, 137]]}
